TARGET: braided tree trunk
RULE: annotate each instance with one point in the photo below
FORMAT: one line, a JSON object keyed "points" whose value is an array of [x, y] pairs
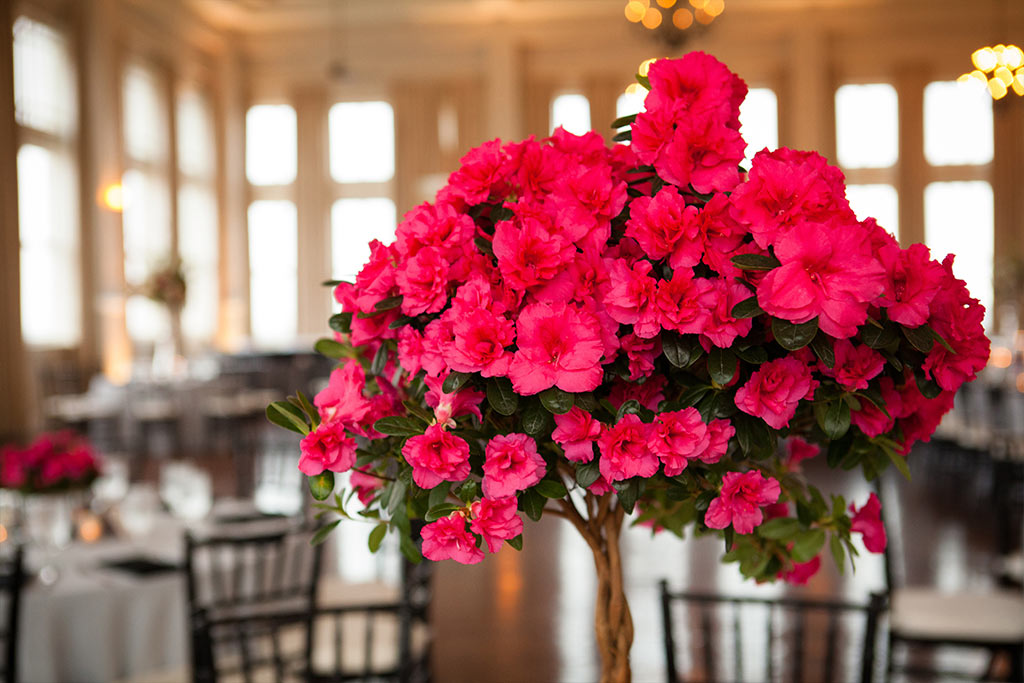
{"points": [[601, 527]]}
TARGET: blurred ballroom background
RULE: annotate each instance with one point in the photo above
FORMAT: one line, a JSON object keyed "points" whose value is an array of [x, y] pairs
{"points": [[250, 149]]}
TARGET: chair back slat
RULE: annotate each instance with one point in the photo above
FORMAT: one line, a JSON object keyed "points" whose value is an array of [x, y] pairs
{"points": [[12, 580], [815, 640]]}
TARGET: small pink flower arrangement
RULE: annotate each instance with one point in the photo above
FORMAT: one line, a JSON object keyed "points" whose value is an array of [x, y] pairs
{"points": [[57, 461], [595, 332]]}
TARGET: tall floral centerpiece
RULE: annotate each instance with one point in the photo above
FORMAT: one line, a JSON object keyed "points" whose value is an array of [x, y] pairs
{"points": [[643, 331], [55, 462], [167, 286]]}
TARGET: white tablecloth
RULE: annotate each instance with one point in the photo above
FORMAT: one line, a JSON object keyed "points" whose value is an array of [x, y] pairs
{"points": [[98, 624]]}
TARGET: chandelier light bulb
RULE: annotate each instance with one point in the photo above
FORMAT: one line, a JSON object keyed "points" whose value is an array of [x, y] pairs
{"points": [[635, 11], [652, 18], [682, 18], [1013, 57], [1003, 74], [666, 3], [997, 89], [984, 59]]}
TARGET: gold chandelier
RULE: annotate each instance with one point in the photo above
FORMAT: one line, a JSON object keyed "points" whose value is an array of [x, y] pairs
{"points": [[999, 68], [673, 21]]}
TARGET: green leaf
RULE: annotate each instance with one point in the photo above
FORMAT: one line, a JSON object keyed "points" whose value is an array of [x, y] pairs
{"points": [[532, 503], [755, 262], [838, 450], [874, 397], [929, 388], [557, 401], [644, 81], [341, 322], [833, 417], [284, 414], [586, 401], [323, 532], [748, 308], [823, 349], [754, 354], [721, 365], [630, 407], [678, 351], [703, 501], [501, 397], [377, 536], [898, 460], [536, 421], [945, 344], [436, 512], [516, 542], [838, 554], [322, 485], [439, 494], [399, 322], [780, 528], [921, 338], [409, 549], [623, 135], [313, 413], [587, 473], [392, 302], [549, 488], [623, 121], [484, 245], [330, 348], [793, 337], [755, 437], [879, 338], [455, 381], [692, 395], [807, 544], [628, 492], [394, 425], [380, 359], [396, 499], [468, 492], [728, 535]]}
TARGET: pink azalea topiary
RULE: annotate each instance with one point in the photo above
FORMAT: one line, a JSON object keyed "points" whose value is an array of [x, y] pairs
{"points": [[593, 332], [55, 461], [867, 521]]}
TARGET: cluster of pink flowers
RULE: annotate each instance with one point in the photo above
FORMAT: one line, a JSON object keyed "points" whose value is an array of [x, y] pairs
{"points": [[54, 461], [599, 286]]}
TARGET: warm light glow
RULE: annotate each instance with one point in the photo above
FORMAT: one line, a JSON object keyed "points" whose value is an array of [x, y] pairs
{"points": [[703, 17], [509, 585], [1013, 56], [652, 18], [3, 533], [1018, 85], [635, 89], [682, 18], [698, 4], [997, 88], [984, 59], [113, 197], [90, 528], [666, 3], [635, 11], [714, 7], [1020, 382], [645, 66], [1000, 357], [979, 76], [1004, 74]]}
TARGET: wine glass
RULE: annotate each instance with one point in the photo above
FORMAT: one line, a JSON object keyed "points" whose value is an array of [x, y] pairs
{"points": [[187, 490], [48, 527]]}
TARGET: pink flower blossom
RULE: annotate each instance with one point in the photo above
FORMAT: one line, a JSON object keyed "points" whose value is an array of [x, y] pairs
{"points": [[365, 485], [699, 85], [685, 302], [787, 188], [559, 345], [720, 432], [775, 389], [511, 464], [798, 450], [342, 399], [483, 172], [629, 298], [641, 354], [437, 455], [799, 573], [677, 437], [704, 154], [625, 451], [423, 282], [665, 227], [585, 201], [741, 499], [576, 432], [327, 448], [827, 272], [959, 319], [913, 281], [530, 251], [722, 235], [867, 521], [496, 520], [376, 279], [648, 393], [480, 338], [870, 419], [441, 225], [600, 487], [447, 538], [854, 365], [722, 329], [465, 401]]}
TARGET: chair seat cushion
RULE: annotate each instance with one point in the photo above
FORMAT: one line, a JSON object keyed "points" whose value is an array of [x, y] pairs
{"points": [[994, 617]]}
